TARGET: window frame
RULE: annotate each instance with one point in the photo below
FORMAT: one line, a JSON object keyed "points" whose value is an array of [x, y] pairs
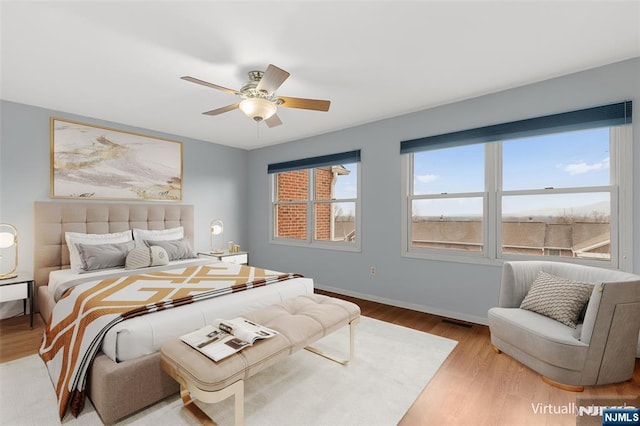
{"points": [[412, 197], [621, 198], [485, 256], [311, 202]]}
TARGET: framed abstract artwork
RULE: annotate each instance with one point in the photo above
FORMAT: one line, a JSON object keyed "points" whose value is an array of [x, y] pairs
{"points": [[94, 162]]}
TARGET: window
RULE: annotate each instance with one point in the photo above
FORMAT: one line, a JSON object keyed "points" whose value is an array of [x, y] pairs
{"points": [[556, 195], [550, 187], [447, 202], [315, 201]]}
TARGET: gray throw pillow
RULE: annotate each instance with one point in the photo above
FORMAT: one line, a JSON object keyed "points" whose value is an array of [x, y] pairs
{"points": [[94, 257], [176, 249], [557, 298]]}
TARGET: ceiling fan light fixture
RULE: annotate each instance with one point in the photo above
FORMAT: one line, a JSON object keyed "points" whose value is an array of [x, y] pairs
{"points": [[258, 109], [259, 101]]}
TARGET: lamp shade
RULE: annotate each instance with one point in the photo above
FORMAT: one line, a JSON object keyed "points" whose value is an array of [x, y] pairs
{"points": [[8, 238], [216, 230], [258, 108]]}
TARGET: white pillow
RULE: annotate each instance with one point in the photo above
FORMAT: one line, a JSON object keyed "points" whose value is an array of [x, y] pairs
{"points": [[73, 238], [139, 235]]}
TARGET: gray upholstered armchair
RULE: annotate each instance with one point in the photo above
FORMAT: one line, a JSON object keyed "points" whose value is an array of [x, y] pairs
{"points": [[600, 350]]}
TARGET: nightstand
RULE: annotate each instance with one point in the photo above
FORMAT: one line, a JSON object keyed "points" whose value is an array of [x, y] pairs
{"points": [[240, 258], [20, 287]]}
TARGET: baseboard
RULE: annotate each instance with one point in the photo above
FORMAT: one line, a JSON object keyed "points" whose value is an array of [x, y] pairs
{"points": [[415, 307]]}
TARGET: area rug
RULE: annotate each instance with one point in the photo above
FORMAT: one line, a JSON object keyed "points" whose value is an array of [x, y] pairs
{"points": [[392, 365]]}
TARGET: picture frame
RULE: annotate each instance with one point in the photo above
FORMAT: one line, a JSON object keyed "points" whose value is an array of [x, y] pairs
{"points": [[95, 162]]}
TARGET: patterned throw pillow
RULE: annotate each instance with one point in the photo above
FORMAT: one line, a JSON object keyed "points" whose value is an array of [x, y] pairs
{"points": [[159, 256], [142, 257], [176, 249], [557, 298]]}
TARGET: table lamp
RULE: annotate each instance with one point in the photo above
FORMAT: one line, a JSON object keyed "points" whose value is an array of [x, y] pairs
{"points": [[217, 241], [8, 239]]}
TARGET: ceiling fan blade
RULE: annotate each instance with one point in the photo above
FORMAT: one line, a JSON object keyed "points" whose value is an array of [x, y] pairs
{"points": [[272, 79], [223, 109], [273, 121], [206, 83], [314, 104]]}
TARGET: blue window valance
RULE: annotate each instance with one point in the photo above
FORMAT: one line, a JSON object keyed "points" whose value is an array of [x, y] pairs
{"points": [[601, 116], [311, 162]]}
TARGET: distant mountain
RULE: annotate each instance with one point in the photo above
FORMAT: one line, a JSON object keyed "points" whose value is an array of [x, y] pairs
{"points": [[602, 207]]}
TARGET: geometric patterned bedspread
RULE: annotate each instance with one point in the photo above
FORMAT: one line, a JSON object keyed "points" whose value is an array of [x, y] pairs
{"points": [[86, 312]]}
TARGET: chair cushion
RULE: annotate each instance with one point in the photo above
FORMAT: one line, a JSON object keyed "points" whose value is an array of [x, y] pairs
{"points": [[557, 298], [542, 337]]}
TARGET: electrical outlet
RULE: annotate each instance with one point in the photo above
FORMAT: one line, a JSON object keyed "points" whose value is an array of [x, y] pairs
{"points": [[373, 270]]}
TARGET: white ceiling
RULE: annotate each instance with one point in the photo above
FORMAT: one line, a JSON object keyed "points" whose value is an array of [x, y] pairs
{"points": [[121, 61]]}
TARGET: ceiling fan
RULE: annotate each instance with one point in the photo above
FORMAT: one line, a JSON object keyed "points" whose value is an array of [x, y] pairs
{"points": [[259, 99]]}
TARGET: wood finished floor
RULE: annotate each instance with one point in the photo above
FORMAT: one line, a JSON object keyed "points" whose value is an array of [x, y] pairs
{"points": [[474, 386]]}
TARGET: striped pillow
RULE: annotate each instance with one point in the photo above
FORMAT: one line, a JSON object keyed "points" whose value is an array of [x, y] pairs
{"points": [[142, 257]]}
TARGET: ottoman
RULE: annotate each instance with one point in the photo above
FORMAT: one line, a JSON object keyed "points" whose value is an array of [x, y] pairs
{"points": [[299, 321]]}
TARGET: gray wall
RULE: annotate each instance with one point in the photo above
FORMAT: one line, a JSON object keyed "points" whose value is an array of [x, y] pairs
{"points": [[232, 184], [464, 291], [214, 176]]}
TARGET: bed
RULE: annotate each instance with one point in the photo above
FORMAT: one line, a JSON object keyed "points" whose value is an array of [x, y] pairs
{"points": [[126, 376]]}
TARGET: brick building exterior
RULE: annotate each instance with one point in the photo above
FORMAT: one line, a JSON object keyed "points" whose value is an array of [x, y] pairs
{"points": [[291, 219], [324, 182]]}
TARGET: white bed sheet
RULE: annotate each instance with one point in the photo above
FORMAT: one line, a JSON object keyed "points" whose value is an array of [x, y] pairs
{"points": [[145, 334]]}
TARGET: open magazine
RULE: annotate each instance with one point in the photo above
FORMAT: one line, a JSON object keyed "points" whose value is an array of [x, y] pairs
{"points": [[226, 337]]}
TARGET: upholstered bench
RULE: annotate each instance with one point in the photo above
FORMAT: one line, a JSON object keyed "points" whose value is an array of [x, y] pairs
{"points": [[300, 322]]}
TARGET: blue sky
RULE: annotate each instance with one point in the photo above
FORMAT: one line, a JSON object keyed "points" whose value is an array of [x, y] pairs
{"points": [[564, 160], [347, 185]]}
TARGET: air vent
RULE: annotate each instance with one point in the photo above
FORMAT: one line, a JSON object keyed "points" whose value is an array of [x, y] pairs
{"points": [[458, 323]]}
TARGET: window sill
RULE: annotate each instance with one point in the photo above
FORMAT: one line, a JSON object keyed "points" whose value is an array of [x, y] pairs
{"points": [[317, 245], [456, 258], [479, 260]]}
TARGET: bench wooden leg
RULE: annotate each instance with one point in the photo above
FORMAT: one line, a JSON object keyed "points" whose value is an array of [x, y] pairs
{"points": [[236, 390], [352, 332]]}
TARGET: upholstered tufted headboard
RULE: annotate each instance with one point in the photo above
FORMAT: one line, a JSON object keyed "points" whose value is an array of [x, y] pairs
{"points": [[53, 219]]}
